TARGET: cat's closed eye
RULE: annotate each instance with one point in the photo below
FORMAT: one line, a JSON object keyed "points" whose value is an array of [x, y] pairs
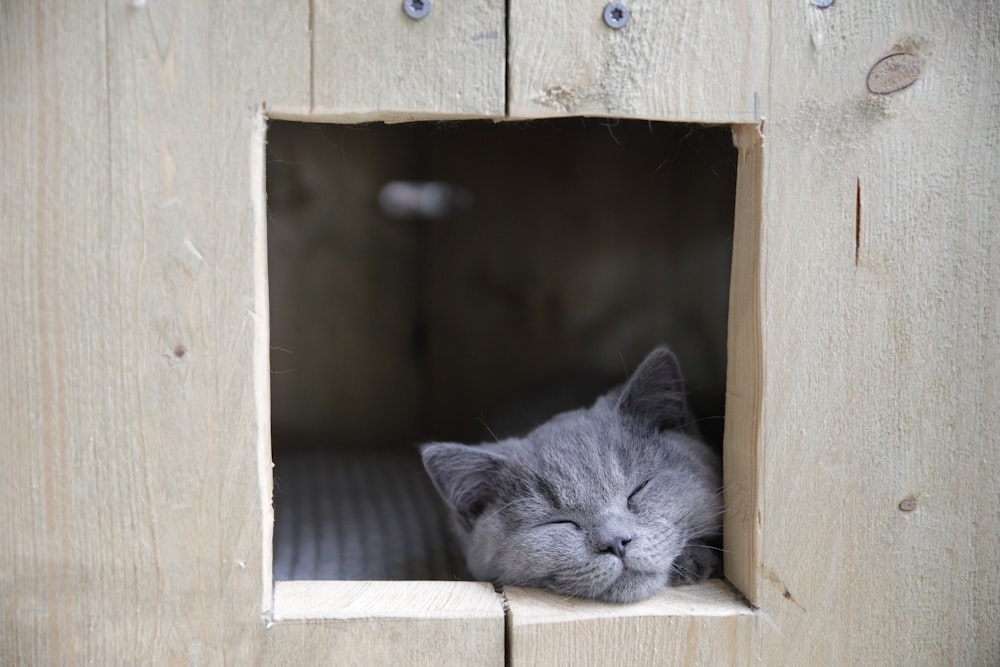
{"points": [[547, 508], [635, 492]]}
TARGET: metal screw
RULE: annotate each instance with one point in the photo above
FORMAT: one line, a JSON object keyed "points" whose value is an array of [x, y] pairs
{"points": [[823, 4], [616, 15], [417, 9]]}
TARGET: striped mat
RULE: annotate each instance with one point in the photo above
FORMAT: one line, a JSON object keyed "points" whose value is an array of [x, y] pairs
{"points": [[359, 516]]}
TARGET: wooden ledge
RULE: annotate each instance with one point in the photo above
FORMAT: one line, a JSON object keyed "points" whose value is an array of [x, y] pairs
{"points": [[319, 600], [417, 600], [441, 623], [711, 598]]}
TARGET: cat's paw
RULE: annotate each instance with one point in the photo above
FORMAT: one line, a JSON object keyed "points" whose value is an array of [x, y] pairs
{"points": [[697, 562]]}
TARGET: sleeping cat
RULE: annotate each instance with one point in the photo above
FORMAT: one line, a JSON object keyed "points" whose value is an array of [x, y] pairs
{"points": [[613, 502]]}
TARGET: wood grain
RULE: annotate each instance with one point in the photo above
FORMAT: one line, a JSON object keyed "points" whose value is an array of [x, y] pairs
{"points": [[875, 362], [880, 261], [314, 600], [681, 61], [386, 623], [745, 370], [372, 62], [703, 624], [131, 532], [134, 521]]}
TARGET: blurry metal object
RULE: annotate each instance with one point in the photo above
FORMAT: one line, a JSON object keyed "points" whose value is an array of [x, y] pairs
{"points": [[427, 200]]}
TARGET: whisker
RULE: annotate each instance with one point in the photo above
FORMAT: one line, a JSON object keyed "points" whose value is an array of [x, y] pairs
{"points": [[482, 421], [503, 507], [708, 546]]}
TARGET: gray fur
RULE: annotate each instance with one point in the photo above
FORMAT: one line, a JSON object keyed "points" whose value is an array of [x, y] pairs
{"points": [[613, 502]]}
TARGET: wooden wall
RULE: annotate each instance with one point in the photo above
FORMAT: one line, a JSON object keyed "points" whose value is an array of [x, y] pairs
{"points": [[862, 482]]}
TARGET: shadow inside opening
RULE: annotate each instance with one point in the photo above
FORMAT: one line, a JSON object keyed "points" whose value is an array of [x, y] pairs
{"points": [[443, 281]]}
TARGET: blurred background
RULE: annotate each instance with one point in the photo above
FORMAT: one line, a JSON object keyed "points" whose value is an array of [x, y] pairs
{"points": [[425, 276]]}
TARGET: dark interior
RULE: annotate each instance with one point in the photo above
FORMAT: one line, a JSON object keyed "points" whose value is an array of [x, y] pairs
{"points": [[442, 281]]}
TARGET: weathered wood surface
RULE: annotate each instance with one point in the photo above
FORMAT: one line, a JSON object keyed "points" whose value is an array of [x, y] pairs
{"points": [[385, 641], [873, 346], [132, 516], [706, 624], [880, 259], [417, 600], [131, 491], [745, 369], [386, 623], [701, 62], [372, 62]]}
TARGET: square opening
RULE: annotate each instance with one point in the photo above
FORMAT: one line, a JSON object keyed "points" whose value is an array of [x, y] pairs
{"points": [[428, 281]]}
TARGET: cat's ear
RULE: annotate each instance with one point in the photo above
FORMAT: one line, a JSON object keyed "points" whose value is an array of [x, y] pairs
{"points": [[465, 476], [654, 396]]}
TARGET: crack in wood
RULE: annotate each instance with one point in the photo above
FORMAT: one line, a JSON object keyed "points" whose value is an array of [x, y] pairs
{"points": [[857, 223]]}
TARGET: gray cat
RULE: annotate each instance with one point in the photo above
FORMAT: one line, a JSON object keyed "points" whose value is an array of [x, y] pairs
{"points": [[613, 502]]}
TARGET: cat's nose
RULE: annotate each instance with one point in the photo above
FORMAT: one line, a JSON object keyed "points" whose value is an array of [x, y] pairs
{"points": [[614, 545]]}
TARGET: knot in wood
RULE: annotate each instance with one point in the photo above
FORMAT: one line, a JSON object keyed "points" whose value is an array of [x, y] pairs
{"points": [[907, 504], [894, 72]]}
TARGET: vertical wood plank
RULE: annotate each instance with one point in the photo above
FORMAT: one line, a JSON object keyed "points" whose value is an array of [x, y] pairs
{"points": [[51, 482], [745, 369], [880, 483], [682, 61], [372, 62], [133, 521]]}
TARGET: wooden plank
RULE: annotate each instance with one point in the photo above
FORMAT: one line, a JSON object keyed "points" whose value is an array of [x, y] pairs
{"points": [[386, 623], [131, 401], [132, 513], [705, 624], [372, 62], [46, 401], [415, 600], [261, 358], [375, 642], [682, 61], [744, 370], [880, 482]]}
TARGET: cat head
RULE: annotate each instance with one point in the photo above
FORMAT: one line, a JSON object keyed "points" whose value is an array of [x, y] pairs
{"points": [[605, 502]]}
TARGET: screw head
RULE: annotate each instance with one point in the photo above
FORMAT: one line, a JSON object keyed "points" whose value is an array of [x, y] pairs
{"points": [[417, 9], [823, 4], [616, 15]]}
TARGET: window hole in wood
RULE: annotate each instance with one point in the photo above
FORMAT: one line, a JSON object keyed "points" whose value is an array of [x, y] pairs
{"points": [[426, 280]]}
